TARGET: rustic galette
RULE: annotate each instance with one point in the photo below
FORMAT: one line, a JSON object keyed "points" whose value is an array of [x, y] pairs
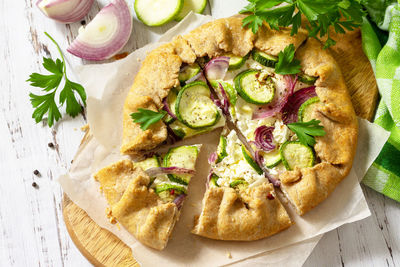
{"points": [[289, 126]]}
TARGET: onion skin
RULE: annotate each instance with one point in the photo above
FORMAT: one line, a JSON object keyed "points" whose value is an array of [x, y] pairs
{"points": [[58, 11], [117, 9]]}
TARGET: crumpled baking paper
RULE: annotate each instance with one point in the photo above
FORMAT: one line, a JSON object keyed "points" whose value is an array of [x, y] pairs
{"points": [[106, 86]]}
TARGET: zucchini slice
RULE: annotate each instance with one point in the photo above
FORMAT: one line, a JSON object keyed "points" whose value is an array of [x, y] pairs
{"points": [[304, 78], [239, 184], [251, 161], [171, 100], [148, 163], [183, 157], [194, 107], [306, 108], [188, 72], [221, 149], [157, 13], [295, 154], [168, 192], [213, 180], [236, 62], [253, 91], [264, 59], [271, 159], [196, 6]]}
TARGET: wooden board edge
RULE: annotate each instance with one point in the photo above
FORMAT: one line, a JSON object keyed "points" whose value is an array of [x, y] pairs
{"points": [[65, 202]]}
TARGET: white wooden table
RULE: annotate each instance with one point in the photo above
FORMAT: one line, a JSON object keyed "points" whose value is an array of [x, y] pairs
{"points": [[32, 231]]}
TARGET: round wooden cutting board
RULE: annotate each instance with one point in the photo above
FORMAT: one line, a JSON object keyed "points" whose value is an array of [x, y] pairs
{"points": [[102, 248]]}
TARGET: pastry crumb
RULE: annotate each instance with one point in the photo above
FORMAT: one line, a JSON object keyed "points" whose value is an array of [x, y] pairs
{"points": [[229, 255], [85, 128]]}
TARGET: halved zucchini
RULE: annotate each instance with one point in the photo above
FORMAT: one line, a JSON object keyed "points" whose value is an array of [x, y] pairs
{"points": [[221, 149], [307, 79], [194, 107], [183, 157], [252, 90], [306, 108], [271, 159], [196, 6], [295, 154], [264, 59], [157, 13], [168, 192], [251, 161], [188, 72]]}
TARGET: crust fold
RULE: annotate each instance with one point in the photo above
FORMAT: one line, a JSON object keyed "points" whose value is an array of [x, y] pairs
{"points": [[245, 216], [135, 206]]}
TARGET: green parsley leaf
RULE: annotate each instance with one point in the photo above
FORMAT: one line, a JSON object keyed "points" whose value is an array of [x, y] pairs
{"points": [[147, 117], [321, 15], [50, 83], [287, 64], [306, 131]]}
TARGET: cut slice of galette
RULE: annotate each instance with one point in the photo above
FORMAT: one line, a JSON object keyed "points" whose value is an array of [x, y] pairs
{"points": [[146, 197], [239, 203]]}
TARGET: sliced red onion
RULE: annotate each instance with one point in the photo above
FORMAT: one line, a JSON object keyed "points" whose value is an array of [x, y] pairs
{"points": [[167, 108], [279, 102], [212, 158], [225, 100], [291, 108], [263, 138], [216, 68], [65, 11], [216, 101], [258, 158], [179, 200], [106, 34], [168, 170]]}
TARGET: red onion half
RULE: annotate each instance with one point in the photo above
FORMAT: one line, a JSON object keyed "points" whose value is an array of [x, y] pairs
{"points": [[263, 138], [179, 200], [168, 170], [216, 68], [291, 108], [279, 102], [65, 11], [106, 34]]}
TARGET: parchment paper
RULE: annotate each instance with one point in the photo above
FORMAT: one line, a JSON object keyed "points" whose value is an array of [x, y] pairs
{"points": [[107, 86]]}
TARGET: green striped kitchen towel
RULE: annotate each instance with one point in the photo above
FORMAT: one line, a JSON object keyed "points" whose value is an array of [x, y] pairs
{"points": [[384, 174]]}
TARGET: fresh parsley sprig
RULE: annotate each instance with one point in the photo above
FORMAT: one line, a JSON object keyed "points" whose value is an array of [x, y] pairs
{"points": [[147, 117], [287, 64], [50, 83], [321, 14], [306, 131]]}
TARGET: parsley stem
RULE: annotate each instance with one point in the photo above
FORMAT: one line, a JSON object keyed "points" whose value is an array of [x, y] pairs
{"points": [[61, 53]]}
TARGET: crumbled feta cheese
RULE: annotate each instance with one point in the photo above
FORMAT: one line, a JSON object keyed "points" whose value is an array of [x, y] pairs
{"points": [[281, 132]]}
